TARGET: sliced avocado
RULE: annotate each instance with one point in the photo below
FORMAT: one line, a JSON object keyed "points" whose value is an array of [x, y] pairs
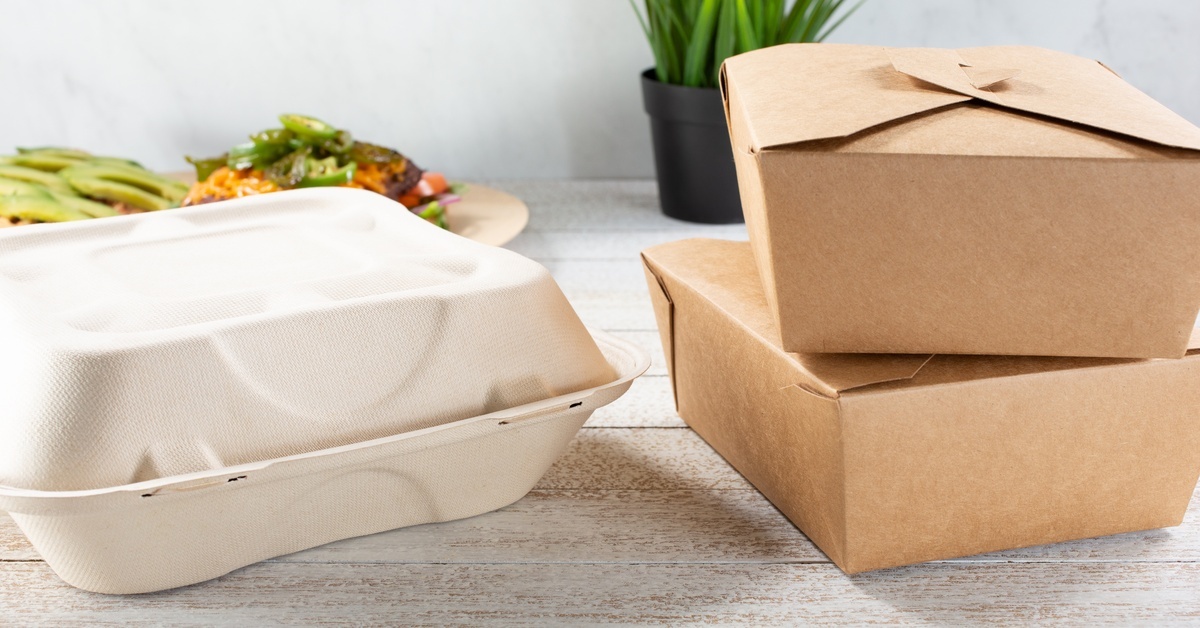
{"points": [[16, 187], [55, 150], [38, 208], [87, 206], [117, 161], [45, 161], [129, 175], [48, 180], [120, 192]]}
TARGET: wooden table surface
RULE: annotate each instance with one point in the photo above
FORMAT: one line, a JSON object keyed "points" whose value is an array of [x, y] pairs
{"points": [[639, 522]]}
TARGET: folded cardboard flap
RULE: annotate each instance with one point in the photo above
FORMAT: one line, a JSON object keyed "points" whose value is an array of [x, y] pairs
{"points": [[725, 268], [803, 92], [664, 312], [1052, 84], [985, 78], [797, 93]]}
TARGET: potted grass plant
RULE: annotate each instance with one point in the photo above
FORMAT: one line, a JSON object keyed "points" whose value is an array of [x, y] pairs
{"points": [[690, 39]]}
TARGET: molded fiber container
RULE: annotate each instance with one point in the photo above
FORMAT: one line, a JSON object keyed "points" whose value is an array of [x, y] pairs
{"points": [[189, 392]]}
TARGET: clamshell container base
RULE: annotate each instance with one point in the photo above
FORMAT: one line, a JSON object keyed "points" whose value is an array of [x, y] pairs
{"points": [[193, 391]]}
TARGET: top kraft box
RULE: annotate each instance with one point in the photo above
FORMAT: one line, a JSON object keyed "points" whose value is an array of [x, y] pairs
{"points": [[1001, 200]]}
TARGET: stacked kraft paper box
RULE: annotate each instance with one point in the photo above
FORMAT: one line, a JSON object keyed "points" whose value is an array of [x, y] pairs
{"points": [[964, 319]]}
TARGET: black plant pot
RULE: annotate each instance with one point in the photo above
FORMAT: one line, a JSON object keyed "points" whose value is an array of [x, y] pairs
{"points": [[692, 155]]}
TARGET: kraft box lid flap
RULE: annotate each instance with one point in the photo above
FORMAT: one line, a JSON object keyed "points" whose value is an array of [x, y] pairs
{"points": [[724, 273], [804, 92]]}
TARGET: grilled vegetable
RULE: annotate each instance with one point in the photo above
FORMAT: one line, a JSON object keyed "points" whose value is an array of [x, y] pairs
{"points": [[257, 156], [307, 152], [291, 170], [307, 127], [205, 167], [325, 172]]}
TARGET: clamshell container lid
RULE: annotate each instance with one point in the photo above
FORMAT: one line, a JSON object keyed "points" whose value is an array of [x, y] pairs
{"points": [[169, 343]]}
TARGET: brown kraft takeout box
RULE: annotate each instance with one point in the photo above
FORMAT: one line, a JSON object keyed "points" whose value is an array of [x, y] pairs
{"points": [[1002, 200], [886, 460]]}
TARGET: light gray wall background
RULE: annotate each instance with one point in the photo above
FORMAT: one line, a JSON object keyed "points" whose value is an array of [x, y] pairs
{"points": [[476, 88]]}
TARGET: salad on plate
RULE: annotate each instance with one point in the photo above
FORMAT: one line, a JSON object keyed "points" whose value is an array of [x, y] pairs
{"points": [[307, 152]]}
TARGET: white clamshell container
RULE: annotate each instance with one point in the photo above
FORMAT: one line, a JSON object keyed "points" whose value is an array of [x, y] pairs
{"points": [[189, 392]]}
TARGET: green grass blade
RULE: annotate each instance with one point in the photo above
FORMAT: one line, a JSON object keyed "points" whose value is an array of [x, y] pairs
{"points": [[747, 39], [726, 40], [772, 22], [691, 38], [696, 62], [821, 10], [756, 12], [641, 18], [797, 19]]}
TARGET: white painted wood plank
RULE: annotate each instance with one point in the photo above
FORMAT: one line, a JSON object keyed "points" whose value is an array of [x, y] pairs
{"points": [[374, 594], [612, 498], [598, 459], [660, 526], [649, 403], [628, 205], [690, 526], [618, 245], [607, 294], [641, 459]]}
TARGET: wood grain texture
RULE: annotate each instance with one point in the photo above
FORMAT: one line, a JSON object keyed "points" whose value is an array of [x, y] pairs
{"points": [[609, 245], [656, 495], [772, 594], [649, 403]]}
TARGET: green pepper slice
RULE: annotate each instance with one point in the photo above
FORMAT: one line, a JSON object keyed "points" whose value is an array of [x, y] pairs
{"points": [[251, 155], [274, 137], [365, 153], [206, 166], [325, 172], [339, 145], [289, 171], [305, 126]]}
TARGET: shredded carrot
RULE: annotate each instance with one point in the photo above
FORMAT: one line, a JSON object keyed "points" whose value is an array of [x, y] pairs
{"points": [[368, 177], [224, 183]]}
